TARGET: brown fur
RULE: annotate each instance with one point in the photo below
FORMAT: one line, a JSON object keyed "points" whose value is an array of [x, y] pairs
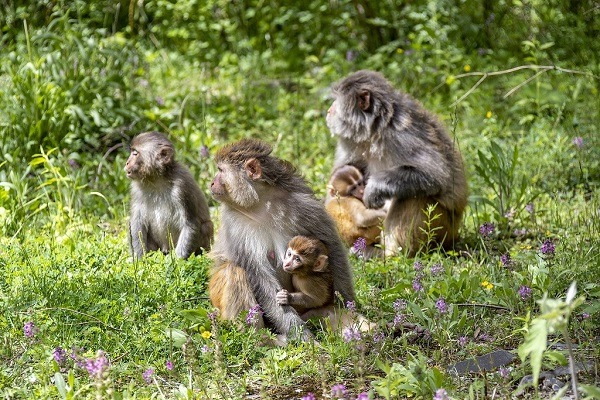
{"points": [[264, 203], [409, 157], [312, 280], [168, 209], [344, 203]]}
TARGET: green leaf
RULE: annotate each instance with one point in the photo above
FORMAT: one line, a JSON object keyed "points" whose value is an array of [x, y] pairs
{"points": [[593, 392], [534, 346], [177, 336], [60, 384]]}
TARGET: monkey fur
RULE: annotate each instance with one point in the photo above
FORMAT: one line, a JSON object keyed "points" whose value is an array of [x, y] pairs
{"points": [[344, 203], [409, 158], [307, 261], [168, 209], [263, 204]]}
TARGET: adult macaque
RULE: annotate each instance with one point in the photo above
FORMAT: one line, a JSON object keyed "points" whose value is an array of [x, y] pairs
{"points": [[168, 209], [264, 203], [409, 157], [345, 205], [307, 261]]}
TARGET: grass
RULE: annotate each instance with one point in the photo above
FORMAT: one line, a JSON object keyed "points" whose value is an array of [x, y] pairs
{"points": [[79, 319]]}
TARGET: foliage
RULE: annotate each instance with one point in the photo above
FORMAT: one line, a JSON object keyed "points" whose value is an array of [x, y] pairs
{"points": [[515, 82]]}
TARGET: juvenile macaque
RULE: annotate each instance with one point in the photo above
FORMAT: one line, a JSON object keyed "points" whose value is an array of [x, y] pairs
{"points": [[409, 157], [264, 203], [307, 261], [345, 204], [168, 209]]}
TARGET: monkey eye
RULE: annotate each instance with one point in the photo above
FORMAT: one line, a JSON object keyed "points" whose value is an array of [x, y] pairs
{"points": [[134, 152], [288, 253], [297, 259]]}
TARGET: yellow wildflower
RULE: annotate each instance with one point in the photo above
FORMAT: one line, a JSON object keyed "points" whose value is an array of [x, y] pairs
{"points": [[206, 334], [467, 68], [487, 285], [488, 114]]}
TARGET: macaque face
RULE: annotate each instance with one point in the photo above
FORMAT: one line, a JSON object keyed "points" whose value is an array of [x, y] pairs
{"points": [[234, 185], [348, 181], [134, 166], [293, 262]]}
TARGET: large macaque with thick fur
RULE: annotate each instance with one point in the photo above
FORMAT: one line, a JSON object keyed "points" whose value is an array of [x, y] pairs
{"points": [[168, 209], [307, 261], [264, 203], [409, 158], [344, 203]]}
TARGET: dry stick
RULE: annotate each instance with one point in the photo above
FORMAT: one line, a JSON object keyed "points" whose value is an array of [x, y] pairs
{"points": [[525, 82], [484, 75]]}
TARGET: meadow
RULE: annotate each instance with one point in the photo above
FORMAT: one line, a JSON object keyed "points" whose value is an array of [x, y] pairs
{"points": [[515, 82]]}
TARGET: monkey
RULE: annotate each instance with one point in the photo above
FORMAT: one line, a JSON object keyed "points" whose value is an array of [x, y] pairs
{"points": [[168, 209], [306, 259], [344, 203], [409, 157], [264, 202]]}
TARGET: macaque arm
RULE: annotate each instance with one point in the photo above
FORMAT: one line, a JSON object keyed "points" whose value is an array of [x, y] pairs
{"points": [[305, 300], [185, 243], [264, 284], [138, 235], [402, 183], [367, 217]]}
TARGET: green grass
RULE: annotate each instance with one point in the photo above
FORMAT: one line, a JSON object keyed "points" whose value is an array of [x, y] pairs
{"points": [[71, 96]]}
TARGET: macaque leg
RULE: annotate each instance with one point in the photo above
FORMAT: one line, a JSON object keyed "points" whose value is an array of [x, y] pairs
{"points": [[339, 319], [230, 292]]}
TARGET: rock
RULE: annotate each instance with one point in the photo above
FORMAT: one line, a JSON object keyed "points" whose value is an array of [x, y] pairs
{"points": [[486, 362]]}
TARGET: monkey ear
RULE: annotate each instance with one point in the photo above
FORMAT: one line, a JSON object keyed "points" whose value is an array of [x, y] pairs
{"points": [[364, 100], [321, 263], [253, 168], [166, 154]]}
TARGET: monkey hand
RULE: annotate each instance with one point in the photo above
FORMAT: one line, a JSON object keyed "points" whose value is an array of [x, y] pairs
{"points": [[374, 197], [283, 297]]}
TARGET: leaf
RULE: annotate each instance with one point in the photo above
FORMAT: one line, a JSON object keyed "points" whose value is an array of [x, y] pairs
{"points": [[534, 346], [593, 392], [177, 336], [60, 384], [571, 292]]}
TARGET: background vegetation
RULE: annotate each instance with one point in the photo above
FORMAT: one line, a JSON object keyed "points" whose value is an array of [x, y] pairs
{"points": [[515, 81]]}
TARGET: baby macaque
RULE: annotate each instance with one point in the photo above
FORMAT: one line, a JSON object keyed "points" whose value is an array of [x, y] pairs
{"points": [[168, 209], [345, 205], [306, 259]]}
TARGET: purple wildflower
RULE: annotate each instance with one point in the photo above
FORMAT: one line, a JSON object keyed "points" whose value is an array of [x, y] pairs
{"points": [[362, 396], [504, 372], [309, 396], [441, 394], [462, 341], [486, 229], [359, 246], [59, 354], [204, 349], [436, 269], [578, 141], [484, 337], [160, 101], [510, 214], [350, 334], [399, 305], [585, 315], [29, 329], [418, 265], [547, 248], [338, 391], [350, 55], [253, 314], [204, 152], [441, 305], [378, 337], [96, 366], [417, 286], [530, 208], [147, 375], [212, 316], [398, 319], [520, 232], [350, 305], [524, 292], [169, 365], [506, 260], [73, 163]]}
